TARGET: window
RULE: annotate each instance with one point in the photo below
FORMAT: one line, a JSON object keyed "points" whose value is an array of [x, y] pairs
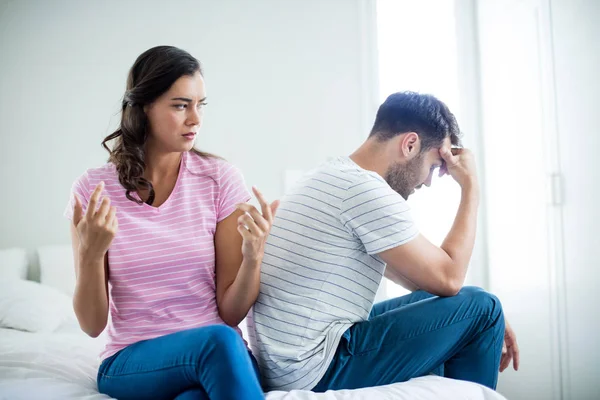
{"points": [[418, 51]]}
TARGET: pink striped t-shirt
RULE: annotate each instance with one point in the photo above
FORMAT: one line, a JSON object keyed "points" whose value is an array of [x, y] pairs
{"points": [[162, 260]]}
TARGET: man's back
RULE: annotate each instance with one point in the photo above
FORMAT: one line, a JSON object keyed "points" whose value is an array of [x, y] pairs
{"points": [[320, 271]]}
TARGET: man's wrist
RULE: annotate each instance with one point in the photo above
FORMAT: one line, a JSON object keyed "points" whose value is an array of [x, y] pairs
{"points": [[470, 188]]}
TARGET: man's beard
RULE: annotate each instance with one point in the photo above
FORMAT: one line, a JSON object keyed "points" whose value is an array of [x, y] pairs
{"points": [[403, 178]]}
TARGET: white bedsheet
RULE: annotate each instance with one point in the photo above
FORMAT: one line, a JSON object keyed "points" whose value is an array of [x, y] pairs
{"points": [[63, 365]]}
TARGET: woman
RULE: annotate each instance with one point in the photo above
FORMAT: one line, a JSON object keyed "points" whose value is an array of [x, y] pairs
{"points": [[184, 266]]}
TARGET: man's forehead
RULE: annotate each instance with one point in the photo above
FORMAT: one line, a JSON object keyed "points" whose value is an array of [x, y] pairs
{"points": [[433, 156], [447, 143]]}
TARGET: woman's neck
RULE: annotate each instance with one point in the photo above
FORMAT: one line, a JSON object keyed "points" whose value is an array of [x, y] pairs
{"points": [[161, 166]]}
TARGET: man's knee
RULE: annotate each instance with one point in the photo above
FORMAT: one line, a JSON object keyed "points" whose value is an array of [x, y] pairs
{"points": [[484, 300]]}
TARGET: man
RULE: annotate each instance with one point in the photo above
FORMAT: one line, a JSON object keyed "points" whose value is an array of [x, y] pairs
{"points": [[339, 230]]}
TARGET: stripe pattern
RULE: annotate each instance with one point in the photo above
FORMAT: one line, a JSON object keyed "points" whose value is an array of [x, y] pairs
{"points": [[162, 260], [321, 271]]}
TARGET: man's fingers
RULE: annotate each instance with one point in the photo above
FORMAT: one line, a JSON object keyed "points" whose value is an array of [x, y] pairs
{"points": [[505, 361], [513, 346], [517, 357], [77, 211], [94, 200], [447, 156], [443, 170]]}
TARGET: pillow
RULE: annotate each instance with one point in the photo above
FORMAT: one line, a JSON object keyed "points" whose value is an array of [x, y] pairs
{"points": [[13, 264], [57, 268], [32, 307]]}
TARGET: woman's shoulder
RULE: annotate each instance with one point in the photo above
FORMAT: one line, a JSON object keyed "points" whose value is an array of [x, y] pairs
{"points": [[88, 180], [209, 165]]}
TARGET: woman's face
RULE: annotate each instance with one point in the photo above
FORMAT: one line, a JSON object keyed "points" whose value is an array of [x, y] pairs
{"points": [[176, 116]]}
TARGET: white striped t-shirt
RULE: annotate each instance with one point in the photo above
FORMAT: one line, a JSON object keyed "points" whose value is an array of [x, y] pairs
{"points": [[162, 260], [321, 271]]}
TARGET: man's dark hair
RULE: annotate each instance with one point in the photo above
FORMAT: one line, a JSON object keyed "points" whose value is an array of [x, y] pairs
{"points": [[420, 113]]}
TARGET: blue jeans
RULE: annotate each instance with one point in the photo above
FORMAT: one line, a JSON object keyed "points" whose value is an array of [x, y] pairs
{"points": [[458, 337], [210, 362]]}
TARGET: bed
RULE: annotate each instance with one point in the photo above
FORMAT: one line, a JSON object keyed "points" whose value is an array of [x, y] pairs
{"points": [[44, 355]]}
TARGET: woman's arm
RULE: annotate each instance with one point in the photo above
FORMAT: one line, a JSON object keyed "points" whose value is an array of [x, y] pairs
{"points": [[90, 300], [91, 236], [239, 248]]}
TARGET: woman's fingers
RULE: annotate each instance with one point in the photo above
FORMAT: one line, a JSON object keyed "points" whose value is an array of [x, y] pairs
{"points": [[77, 210], [255, 215], [102, 213], [250, 224], [264, 205], [95, 197]]}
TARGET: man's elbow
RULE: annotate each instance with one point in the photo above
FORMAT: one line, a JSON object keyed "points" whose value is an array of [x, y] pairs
{"points": [[450, 286], [451, 281], [451, 289]]}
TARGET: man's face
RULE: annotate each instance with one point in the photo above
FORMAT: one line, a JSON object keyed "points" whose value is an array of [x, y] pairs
{"points": [[406, 177]]}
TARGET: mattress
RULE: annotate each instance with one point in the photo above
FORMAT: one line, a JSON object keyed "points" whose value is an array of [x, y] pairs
{"points": [[63, 365]]}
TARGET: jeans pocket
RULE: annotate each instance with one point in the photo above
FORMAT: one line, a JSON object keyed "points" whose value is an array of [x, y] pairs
{"points": [[346, 342]]}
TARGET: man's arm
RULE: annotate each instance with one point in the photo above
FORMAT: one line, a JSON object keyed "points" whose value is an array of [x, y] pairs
{"points": [[442, 270], [398, 279]]}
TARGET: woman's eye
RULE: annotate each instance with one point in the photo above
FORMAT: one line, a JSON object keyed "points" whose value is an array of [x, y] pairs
{"points": [[180, 106], [201, 105]]}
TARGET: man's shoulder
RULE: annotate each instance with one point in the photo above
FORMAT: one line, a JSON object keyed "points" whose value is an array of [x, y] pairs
{"points": [[345, 173]]}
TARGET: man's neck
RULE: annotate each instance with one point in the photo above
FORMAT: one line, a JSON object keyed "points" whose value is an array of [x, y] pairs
{"points": [[371, 157]]}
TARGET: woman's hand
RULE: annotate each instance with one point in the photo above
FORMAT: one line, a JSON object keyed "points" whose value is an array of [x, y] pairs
{"points": [[97, 228], [255, 227]]}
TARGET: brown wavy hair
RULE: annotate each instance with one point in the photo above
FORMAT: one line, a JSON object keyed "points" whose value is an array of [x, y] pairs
{"points": [[151, 75]]}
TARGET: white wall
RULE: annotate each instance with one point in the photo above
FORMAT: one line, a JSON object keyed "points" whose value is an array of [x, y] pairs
{"points": [[515, 177], [539, 76], [287, 82], [576, 33]]}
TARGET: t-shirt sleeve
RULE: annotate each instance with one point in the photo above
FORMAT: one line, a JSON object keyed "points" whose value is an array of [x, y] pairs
{"points": [[80, 188], [232, 191], [377, 215]]}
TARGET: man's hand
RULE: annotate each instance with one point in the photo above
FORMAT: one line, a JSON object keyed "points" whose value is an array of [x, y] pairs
{"points": [[460, 164], [510, 349]]}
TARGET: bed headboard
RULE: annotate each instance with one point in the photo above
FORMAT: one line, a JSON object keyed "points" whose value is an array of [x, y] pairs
{"points": [[50, 265]]}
